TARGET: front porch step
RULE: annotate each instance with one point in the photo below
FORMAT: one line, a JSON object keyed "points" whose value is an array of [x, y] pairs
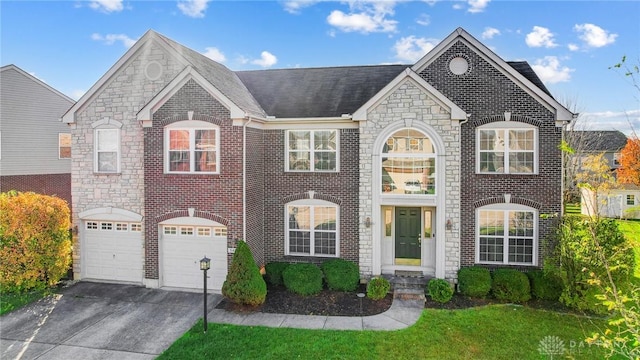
{"points": [[407, 282], [405, 294]]}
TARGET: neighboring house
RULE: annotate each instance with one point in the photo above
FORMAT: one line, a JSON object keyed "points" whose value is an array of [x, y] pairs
{"points": [[622, 203], [596, 142], [35, 146], [421, 168]]}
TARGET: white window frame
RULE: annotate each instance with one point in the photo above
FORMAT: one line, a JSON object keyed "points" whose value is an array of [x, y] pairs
{"points": [[506, 126], [60, 136], [312, 203], [191, 126], [97, 150], [311, 151], [632, 198], [506, 208]]}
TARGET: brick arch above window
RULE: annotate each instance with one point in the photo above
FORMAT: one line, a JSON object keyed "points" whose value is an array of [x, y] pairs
{"points": [[311, 195], [196, 214], [510, 200], [502, 117], [195, 116]]}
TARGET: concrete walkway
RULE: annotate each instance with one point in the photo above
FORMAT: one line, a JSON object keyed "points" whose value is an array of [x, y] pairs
{"points": [[402, 314]]}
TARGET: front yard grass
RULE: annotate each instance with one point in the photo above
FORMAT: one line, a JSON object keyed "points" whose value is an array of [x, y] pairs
{"points": [[491, 332], [631, 230]]}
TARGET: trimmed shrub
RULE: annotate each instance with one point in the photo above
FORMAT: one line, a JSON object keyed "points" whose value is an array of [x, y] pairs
{"points": [[543, 286], [35, 244], [341, 275], [303, 279], [274, 272], [439, 290], [474, 281], [378, 288], [244, 284], [511, 285]]}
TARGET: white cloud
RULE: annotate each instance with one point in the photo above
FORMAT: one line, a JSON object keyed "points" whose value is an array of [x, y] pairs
{"points": [[540, 37], [365, 17], [77, 94], [412, 49], [550, 71], [193, 8], [573, 47], [214, 54], [594, 36], [625, 121], [267, 59], [424, 20], [107, 6], [110, 39], [295, 6], [490, 32], [477, 6]]}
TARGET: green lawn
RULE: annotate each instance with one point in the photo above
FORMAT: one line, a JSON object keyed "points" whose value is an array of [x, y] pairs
{"points": [[631, 230], [492, 332]]}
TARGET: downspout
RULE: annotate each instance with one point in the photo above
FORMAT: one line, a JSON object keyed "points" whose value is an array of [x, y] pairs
{"points": [[244, 178]]}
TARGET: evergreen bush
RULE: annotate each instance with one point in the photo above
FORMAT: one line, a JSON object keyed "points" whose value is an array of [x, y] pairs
{"points": [[543, 286], [439, 290], [341, 275], [474, 281], [378, 288], [274, 272], [303, 279], [244, 283], [511, 285]]}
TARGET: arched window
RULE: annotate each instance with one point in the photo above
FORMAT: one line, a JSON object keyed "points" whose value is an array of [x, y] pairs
{"points": [[408, 163], [192, 147]]}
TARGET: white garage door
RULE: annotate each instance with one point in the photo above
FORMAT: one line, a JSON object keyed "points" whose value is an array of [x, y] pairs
{"points": [[181, 251], [112, 251]]}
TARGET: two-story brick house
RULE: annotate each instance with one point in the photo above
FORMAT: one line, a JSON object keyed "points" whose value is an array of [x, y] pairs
{"points": [[420, 168]]}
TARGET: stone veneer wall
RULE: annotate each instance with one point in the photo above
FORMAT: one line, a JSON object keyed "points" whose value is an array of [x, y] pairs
{"points": [[409, 102], [124, 94]]}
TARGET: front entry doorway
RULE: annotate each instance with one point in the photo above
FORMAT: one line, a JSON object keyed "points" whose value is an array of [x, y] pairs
{"points": [[408, 236]]}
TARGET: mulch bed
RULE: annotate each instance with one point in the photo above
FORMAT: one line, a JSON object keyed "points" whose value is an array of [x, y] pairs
{"points": [[335, 303], [327, 302]]}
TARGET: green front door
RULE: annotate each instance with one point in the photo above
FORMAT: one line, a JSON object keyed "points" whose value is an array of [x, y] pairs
{"points": [[408, 233]]}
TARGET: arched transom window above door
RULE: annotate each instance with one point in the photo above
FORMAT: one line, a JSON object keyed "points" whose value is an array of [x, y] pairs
{"points": [[408, 163]]}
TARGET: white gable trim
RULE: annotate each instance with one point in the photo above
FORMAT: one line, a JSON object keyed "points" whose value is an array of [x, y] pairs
{"points": [[189, 73], [561, 112], [148, 38], [456, 112]]}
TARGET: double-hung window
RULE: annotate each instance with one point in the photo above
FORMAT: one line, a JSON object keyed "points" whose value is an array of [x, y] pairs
{"points": [[507, 148], [312, 228], [192, 147], [506, 235], [631, 199], [107, 150], [312, 150]]}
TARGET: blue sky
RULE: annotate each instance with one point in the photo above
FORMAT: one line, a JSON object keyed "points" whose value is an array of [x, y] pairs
{"points": [[570, 44]]}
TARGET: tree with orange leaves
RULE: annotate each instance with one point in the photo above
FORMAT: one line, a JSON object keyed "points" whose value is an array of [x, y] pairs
{"points": [[629, 171]]}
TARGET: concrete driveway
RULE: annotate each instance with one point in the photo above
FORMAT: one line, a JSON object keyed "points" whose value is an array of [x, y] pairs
{"points": [[100, 321]]}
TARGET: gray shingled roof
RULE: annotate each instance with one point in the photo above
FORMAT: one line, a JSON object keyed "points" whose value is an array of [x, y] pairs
{"points": [[525, 70], [601, 141], [225, 80], [317, 92]]}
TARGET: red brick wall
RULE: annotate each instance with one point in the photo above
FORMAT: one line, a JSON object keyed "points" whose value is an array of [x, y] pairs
{"points": [[47, 184], [219, 195], [281, 187], [487, 94]]}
